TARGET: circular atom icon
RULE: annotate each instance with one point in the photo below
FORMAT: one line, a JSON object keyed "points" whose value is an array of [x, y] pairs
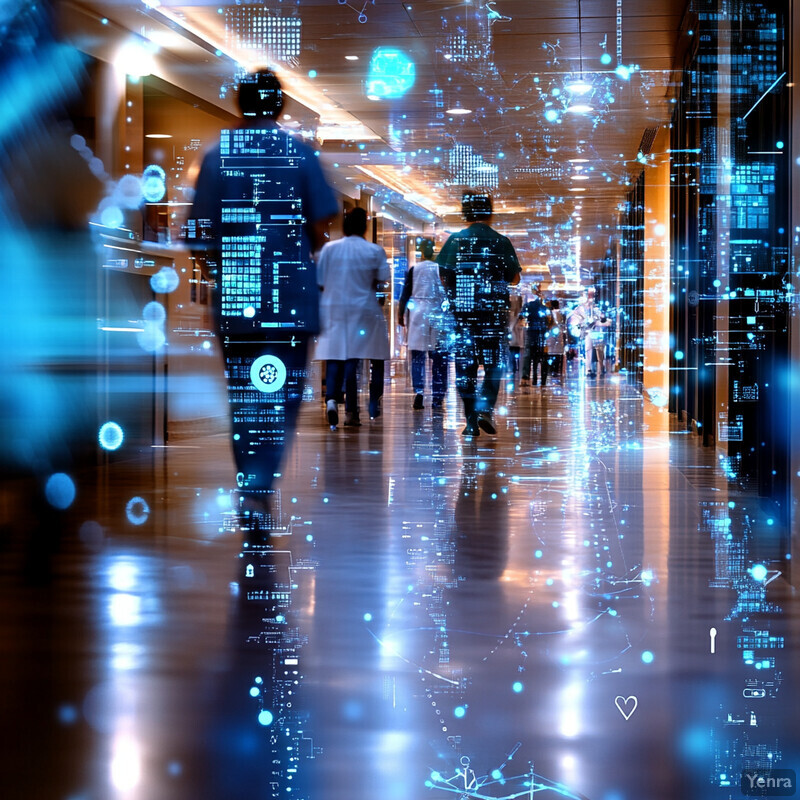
{"points": [[268, 374]]}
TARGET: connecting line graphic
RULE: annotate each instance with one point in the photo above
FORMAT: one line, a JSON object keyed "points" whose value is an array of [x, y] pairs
{"points": [[410, 662], [467, 785]]}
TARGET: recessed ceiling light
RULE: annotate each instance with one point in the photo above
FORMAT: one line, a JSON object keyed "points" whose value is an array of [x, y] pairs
{"points": [[158, 136], [456, 111], [577, 189], [578, 160], [351, 58], [580, 177], [579, 108]]}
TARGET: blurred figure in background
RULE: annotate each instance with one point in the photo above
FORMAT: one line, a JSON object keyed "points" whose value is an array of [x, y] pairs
{"points": [[516, 336], [350, 272], [477, 265], [538, 320], [556, 341], [423, 297]]}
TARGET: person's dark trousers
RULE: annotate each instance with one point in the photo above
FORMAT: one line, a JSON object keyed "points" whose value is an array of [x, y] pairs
{"points": [[265, 388], [338, 373], [513, 359], [534, 356], [438, 373], [472, 350], [376, 374]]}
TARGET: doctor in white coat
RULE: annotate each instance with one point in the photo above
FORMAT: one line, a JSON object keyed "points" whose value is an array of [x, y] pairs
{"points": [[350, 271]]}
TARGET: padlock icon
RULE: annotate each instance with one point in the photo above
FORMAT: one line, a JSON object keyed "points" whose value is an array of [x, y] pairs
{"points": [[249, 571]]}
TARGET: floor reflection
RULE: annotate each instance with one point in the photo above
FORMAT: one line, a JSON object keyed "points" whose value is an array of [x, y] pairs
{"points": [[522, 615]]}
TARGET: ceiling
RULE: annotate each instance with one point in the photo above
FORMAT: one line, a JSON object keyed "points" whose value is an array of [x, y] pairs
{"points": [[384, 115]]}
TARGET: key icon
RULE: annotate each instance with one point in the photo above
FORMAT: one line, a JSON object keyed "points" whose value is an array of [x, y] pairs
{"points": [[713, 634]]}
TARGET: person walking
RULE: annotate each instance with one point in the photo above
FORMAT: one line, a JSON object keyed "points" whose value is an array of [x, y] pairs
{"points": [[350, 272], [555, 342], [424, 299], [477, 265], [266, 303], [538, 320]]}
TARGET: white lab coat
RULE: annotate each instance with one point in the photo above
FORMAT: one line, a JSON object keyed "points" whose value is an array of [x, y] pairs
{"points": [[427, 325], [352, 321]]}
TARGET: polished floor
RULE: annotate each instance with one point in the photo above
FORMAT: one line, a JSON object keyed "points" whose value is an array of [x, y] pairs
{"points": [[579, 607]]}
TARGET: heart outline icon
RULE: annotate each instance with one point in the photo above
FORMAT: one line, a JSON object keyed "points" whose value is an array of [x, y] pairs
{"points": [[622, 705]]}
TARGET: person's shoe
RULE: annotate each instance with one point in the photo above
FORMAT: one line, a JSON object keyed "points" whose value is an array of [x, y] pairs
{"points": [[417, 401], [374, 409], [351, 419], [591, 374], [471, 430], [486, 423], [333, 413]]}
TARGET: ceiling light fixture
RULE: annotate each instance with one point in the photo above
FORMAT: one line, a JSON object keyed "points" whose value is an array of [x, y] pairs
{"points": [[580, 177], [158, 136], [579, 108], [351, 58], [579, 161], [577, 188], [457, 111]]}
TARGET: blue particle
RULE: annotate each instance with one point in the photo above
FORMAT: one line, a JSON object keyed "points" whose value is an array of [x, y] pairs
{"points": [[166, 280], [111, 217], [551, 115], [294, 499], [367, 617], [110, 436], [623, 72], [538, 554], [236, 437], [326, 500], [254, 691], [104, 21], [60, 490], [309, 537], [459, 712], [612, 612], [265, 718], [259, 681], [555, 604], [312, 73], [605, 58], [481, 465], [67, 715], [758, 571], [647, 657], [280, 618], [496, 774], [517, 686], [137, 511], [391, 73], [549, 581], [679, 355], [717, 284], [770, 521], [436, 777], [779, 145]]}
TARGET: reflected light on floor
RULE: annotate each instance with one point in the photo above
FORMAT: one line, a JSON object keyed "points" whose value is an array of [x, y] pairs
{"points": [[126, 763]]}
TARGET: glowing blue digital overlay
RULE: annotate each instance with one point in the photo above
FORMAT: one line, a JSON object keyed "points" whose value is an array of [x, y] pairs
{"points": [[137, 511], [154, 183], [166, 280], [391, 73]]}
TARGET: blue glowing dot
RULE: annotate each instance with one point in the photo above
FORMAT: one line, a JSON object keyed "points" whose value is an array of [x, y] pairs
{"points": [[647, 657], [59, 490], [154, 312], [206, 345], [111, 217], [67, 715], [612, 612], [312, 73], [137, 511], [538, 554], [731, 504], [236, 437], [758, 571], [249, 312], [104, 21], [367, 617], [362, 332], [481, 465], [154, 183], [779, 145], [770, 521], [326, 500], [517, 686], [166, 280], [459, 711], [554, 455], [110, 436], [623, 72], [717, 284], [605, 58], [309, 537], [254, 691], [280, 618], [679, 355], [551, 115], [391, 73], [549, 581], [436, 776], [265, 718], [555, 604], [259, 681], [496, 774]]}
